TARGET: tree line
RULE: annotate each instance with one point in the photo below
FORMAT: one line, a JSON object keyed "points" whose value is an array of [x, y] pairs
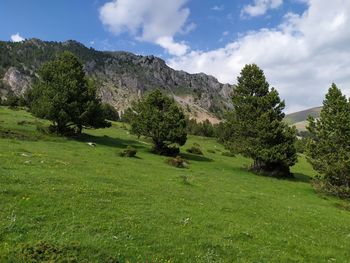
{"points": [[253, 128]]}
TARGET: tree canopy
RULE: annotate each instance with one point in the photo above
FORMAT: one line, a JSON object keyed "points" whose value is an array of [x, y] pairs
{"points": [[65, 96], [328, 149], [159, 118], [257, 127]]}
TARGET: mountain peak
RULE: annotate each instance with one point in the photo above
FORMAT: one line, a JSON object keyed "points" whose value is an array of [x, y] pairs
{"points": [[122, 76]]}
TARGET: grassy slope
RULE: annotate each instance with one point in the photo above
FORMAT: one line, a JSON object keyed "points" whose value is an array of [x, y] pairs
{"points": [[301, 116], [141, 209]]}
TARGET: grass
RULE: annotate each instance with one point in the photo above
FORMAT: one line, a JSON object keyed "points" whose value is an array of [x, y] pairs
{"points": [[88, 204]]}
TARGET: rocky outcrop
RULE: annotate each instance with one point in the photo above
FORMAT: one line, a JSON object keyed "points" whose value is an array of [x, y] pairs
{"points": [[122, 77], [17, 82]]}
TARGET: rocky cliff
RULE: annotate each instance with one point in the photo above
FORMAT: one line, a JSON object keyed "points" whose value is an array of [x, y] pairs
{"points": [[122, 77]]}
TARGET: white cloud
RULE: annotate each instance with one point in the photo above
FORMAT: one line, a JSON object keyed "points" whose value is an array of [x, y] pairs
{"points": [[17, 38], [217, 8], [301, 57], [155, 21], [260, 7], [176, 49]]}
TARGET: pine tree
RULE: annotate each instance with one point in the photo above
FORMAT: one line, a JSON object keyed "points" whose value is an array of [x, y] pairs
{"points": [[159, 118], [258, 130], [328, 149], [63, 95]]}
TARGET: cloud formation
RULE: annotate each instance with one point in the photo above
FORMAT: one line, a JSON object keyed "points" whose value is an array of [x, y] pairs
{"points": [[155, 21], [218, 8], [301, 57], [260, 7], [16, 38]]}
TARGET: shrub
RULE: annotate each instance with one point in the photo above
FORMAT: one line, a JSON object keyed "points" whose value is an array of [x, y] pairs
{"points": [[110, 112], [48, 252], [195, 150], [178, 162], [300, 145], [228, 154], [12, 101], [44, 129], [322, 185], [128, 152]]}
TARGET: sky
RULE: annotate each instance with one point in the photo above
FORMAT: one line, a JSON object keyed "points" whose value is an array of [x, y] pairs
{"points": [[303, 46]]}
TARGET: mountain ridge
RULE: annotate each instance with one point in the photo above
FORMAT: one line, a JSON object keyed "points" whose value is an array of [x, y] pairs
{"points": [[299, 118], [122, 77]]}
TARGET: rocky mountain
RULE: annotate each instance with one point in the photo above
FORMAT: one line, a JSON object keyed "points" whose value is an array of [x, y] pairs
{"points": [[122, 77]]}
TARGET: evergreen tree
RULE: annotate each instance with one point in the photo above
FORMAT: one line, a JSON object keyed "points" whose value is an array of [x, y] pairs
{"points": [[110, 112], [258, 130], [159, 118], [328, 149], [63, 95]]}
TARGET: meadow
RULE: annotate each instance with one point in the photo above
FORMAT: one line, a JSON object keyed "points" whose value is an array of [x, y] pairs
{"points": [[64, 200]]}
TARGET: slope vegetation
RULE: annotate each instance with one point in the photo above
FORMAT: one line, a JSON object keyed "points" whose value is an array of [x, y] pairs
{"points": [[62, 199]]}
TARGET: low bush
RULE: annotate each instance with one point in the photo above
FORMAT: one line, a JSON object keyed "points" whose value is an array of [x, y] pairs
{"points": [[178, 162], [110, 112], [228, 154], [17, 134], [128, 152], [195, 149], [43, 129], [323, 186], [49, 252]]}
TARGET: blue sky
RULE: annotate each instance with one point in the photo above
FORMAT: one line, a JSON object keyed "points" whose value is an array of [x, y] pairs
{"points": [[60, 20], [302, 45]]}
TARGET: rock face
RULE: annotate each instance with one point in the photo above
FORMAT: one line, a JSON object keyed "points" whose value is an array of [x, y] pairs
{"points": [[17, 81], [122, 77]]}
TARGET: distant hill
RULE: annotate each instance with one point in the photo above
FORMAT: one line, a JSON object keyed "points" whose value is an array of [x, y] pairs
{"points": [[122, 77], [299, 119]]}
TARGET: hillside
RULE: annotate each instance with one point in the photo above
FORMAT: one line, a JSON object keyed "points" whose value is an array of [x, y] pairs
{"points": [[121, 77], [303, 115], [299, 119], [61, 198]]}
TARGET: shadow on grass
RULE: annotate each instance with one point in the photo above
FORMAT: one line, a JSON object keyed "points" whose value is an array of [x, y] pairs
{"points": [[197, 158], [108, 141], [295, 177], [298, 177]]}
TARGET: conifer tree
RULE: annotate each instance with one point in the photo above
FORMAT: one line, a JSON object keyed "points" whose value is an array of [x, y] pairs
{"points": [[65, 96], [258, 130], [159, 118], [328, 149]]}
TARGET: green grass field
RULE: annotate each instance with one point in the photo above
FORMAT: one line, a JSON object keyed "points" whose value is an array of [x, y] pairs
{"points": [[91, 205]]}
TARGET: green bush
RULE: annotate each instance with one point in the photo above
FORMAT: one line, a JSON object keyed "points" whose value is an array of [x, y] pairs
{"points": [[128, 152], [228, 154], [48, 252], [12, 101], [178, 162], [322, 185], [110, 112], [44, 129], [195, 150]]}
